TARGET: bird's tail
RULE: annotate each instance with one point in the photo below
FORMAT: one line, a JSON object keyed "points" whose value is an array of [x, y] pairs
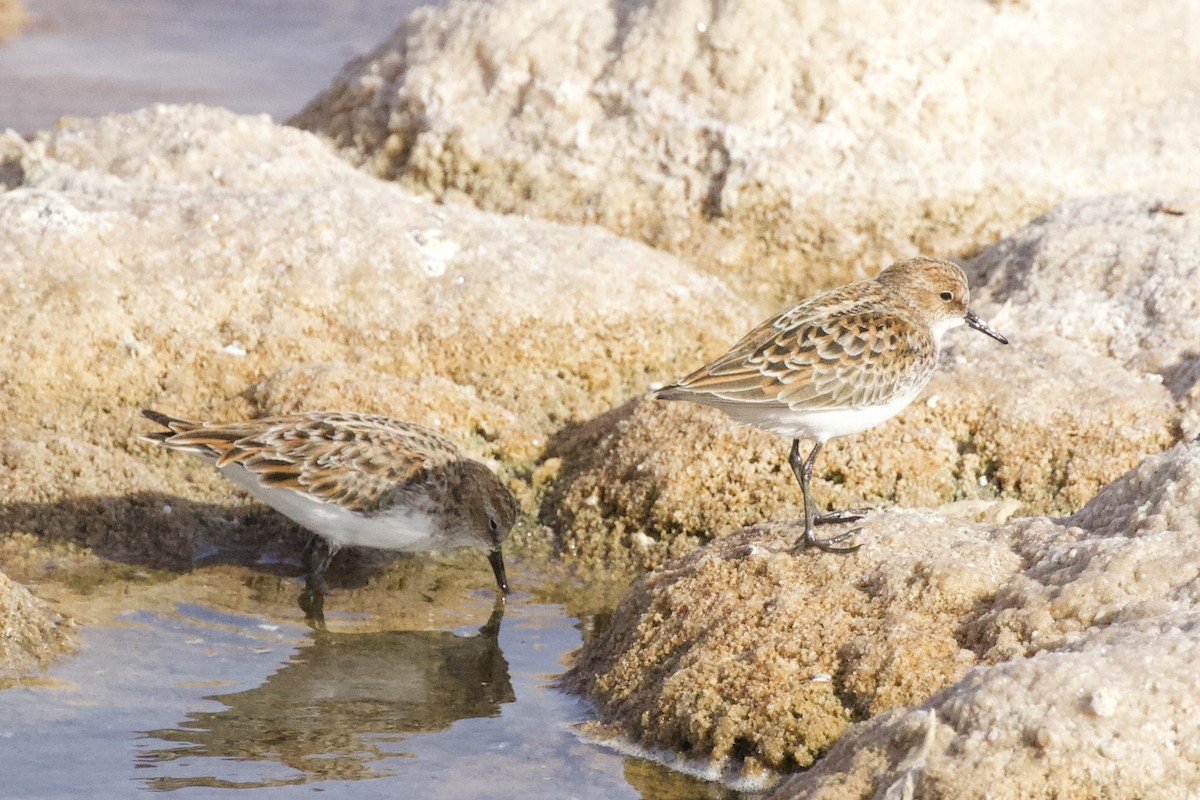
{"points": [[675, 391], [173, 426]]}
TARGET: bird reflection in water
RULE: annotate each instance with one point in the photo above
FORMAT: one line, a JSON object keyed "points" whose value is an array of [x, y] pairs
{"points": [[325, 715]]}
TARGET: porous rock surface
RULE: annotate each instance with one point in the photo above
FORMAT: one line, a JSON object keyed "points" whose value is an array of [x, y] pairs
{"points": [[1039, 658], [787, 144], [218, 266], [30, 633]]}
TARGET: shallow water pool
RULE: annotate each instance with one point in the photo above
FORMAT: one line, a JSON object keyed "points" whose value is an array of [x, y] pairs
{"points": [[192, 700]]}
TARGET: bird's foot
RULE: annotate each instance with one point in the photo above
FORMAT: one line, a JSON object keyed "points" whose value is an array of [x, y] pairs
{"points": [[845, 515], [831, 545], [312, 603]]}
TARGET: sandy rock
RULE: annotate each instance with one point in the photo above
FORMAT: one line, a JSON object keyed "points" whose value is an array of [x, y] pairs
{"points": [[1125, 562], [1118, 276], [215, 266], [850, 135], [1040, 658], [30, 634], [756, 656], [1030, 423], [67, 490], [1105, 722]]}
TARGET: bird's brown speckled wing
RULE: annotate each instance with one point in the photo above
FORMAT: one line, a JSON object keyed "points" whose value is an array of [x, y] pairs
{"points": [[357, 461], [849, 348]]}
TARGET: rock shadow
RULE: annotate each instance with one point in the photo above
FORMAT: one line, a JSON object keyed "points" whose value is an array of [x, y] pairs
{"points": [[167, 532]]}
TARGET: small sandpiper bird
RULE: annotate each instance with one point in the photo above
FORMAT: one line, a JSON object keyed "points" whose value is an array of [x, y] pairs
{"points": [[355, 479], [838, 363]]}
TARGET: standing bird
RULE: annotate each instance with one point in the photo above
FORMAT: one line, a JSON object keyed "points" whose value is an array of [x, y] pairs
{"points": [[355, 479], [838, 363]]}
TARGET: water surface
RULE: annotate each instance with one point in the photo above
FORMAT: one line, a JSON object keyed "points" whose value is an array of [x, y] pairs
{"points": [[191, 700], [94, 57]]}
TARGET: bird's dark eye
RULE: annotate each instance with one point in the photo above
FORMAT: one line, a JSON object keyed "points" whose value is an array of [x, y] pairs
{"points": [[493, 525], [947, 296]]}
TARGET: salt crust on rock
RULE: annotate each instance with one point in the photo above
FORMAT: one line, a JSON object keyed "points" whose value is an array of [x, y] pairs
{"points": [[216, 266], [1041, 658], [1118, 276], [850, 134]]}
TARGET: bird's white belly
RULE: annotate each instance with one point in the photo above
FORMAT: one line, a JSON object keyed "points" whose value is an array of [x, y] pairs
{"points": [[821, 424], [399, 529]]}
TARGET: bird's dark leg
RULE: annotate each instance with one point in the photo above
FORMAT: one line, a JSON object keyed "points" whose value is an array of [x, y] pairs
{"points": [[316, 557], [306, 555], [803, 471]]}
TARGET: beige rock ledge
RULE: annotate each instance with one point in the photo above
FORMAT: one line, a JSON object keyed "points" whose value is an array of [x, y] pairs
{"points": [[945, 659], [851, 134], [216, 265]]}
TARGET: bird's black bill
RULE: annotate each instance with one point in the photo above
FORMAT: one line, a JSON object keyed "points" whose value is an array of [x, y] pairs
{"points": [[497, 562], [975, 322]]}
